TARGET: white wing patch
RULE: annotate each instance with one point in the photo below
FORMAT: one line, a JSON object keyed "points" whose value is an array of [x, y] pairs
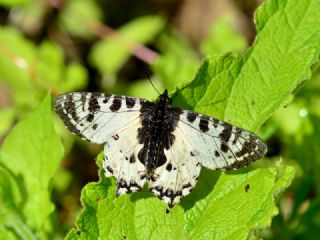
{"points": [[96, 116]]}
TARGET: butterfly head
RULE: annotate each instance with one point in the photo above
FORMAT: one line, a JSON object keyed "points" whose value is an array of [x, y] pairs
{"points": [[163, 99]]}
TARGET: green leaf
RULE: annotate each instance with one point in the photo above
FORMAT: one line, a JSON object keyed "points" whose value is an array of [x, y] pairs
{"points": [[79, 16], [29, 72], [287, 45], [209, 91], [11, 218], [223, 37], [53, 73], [111, 53], [238, 203], [177, 63], [17, 56], [226, 209], [32, 151]]}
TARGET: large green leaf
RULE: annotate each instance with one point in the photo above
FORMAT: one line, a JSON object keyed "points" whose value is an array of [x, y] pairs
{"points": [[32, 152], [250, 89]]}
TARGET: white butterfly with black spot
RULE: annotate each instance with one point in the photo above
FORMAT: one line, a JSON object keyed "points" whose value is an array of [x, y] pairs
{"points": [[155, 142]]}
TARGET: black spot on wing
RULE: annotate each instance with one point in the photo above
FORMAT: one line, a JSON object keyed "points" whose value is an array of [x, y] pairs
{"points": [[131, 186], [237, 135], [116, 137], [93, 103], [106, 98], [70, 107], [90, 117], [94, 126], [215, 122], [193, 153], [83, 99], [130, 102], [203, 124], [116, 104], [226, 132], [216, 153], [110, 170], [191, 116], [169, 167], [132, 159], [224, 147]]}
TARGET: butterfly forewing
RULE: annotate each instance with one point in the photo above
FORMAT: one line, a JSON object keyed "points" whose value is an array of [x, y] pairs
{"points": [[219, 144], [96, 116]]}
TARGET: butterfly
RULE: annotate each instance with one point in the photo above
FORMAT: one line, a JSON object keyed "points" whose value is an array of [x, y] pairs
{"points": [[155, 143]]}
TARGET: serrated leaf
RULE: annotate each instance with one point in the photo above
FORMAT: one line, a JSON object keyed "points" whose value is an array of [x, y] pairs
{"points": [[32, 151], [237, 204]]}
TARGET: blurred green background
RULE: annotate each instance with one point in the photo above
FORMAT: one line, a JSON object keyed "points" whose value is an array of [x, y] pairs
{"points": [[112, 46]]}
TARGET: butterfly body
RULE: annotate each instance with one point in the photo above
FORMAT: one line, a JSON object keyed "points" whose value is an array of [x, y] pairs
{"points": [[155, 143], [158, 122]]}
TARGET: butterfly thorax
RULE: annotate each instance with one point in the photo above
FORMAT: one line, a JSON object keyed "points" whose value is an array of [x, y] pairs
{"points": [[158, 122]]}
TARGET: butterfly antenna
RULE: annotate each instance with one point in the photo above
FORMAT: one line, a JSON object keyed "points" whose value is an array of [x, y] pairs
{"points": [[152, 83]]}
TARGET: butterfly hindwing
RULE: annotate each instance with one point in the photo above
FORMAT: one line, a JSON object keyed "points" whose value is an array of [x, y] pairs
{"points": [[95, 116], [219, 144], [121, 161], [178, 176]]}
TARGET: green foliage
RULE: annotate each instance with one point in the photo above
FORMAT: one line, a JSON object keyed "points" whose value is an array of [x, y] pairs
{"points": [[286, 47], [227, 208], [29, 159], [80, 17], [12, 3], [29, 71], [243, 90], [220, 31], [119, 46], [246, 91]]}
